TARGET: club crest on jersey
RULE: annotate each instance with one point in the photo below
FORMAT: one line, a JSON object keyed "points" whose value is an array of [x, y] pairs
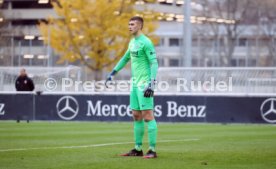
{"points": [[152, 52]]}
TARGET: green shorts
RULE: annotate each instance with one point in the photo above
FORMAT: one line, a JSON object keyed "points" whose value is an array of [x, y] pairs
{"points": [[138, 101]]}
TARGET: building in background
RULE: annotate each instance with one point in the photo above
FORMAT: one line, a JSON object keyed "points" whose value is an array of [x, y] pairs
{"points": [[22, 44], [25, 44]]}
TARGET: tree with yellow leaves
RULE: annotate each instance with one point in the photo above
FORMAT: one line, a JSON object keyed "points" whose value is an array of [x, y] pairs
{"points": [[94, 32]]}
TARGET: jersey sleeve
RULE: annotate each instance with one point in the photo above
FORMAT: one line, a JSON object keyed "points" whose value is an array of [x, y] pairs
{"points": [[123, 61], [151, 55]]}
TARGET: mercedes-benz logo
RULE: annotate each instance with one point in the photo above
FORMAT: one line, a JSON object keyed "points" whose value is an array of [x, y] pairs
{"points": [[268, 110], [67, 107]]}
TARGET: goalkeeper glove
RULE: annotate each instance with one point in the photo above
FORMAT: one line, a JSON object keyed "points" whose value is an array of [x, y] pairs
{"points": [[110, 77], [149, 89]]}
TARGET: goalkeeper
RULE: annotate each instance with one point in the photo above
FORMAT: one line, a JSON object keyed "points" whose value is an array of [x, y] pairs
{"points": [[144, 67]]}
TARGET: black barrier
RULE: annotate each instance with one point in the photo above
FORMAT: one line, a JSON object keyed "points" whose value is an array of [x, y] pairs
{"points": [[17, 106], [177, 108]]}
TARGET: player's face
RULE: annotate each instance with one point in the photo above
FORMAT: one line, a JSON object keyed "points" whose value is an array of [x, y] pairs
{"points": [[134, 26]]}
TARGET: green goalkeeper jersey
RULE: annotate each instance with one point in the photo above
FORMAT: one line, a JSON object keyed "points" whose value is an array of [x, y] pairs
{"points": [[144, 64]]}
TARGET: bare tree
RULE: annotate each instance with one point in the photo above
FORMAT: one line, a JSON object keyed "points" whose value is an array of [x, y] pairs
{"points": [[225, 23], [267, 20]]}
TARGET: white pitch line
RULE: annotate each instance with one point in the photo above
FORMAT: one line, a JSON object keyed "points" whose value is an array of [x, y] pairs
{"points": [[92, 145]]}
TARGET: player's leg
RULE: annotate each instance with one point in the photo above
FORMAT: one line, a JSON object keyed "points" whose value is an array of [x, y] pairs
{"points": [[146, 105], [138, 119], [138, 129], [152, 132], [138, 125]]}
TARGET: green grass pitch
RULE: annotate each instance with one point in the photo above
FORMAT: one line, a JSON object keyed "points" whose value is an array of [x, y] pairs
{"points": [[91, 145]]}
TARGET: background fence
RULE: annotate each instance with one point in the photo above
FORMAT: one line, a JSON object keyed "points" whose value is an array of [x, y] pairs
{"points": [[238, 80], [39, 75], [170, 80]]}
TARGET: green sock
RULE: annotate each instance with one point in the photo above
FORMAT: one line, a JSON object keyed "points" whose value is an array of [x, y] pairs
{"points": [[152, 134], [138, 134]]}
